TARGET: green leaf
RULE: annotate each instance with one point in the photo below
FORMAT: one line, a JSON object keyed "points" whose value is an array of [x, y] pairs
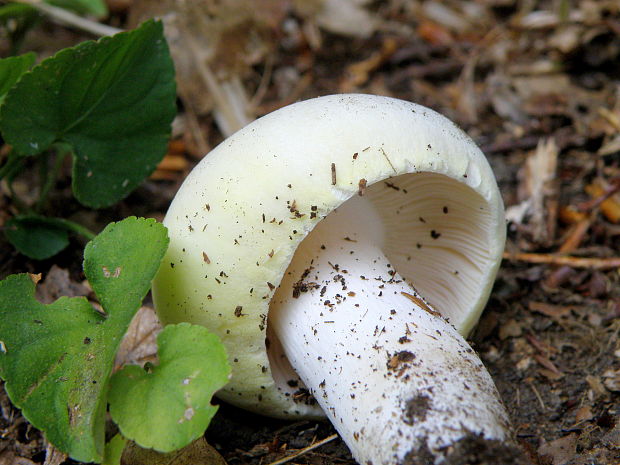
{"points": [[56, 359], [36, 237], [97, 8], [169, 406], [114, 450], [121, 262], [41, 237], [11, 69], [13, 11], [112, 100]]}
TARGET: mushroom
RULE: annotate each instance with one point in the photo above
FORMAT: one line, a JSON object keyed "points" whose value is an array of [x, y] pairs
{"points": [[342, 247]]}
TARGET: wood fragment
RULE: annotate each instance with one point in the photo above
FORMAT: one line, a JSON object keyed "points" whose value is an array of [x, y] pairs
{"points": [[570, 215], [333, 174], [568, 260], [358, 73], [420, 303], [604, 196], [173, 163], [575, 237]]}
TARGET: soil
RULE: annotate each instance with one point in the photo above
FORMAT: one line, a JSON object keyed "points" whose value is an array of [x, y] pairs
{"points": [[537, 85]]}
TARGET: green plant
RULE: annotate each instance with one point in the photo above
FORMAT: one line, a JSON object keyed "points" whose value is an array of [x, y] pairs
{"points": [[108, 104], [57, 359]]}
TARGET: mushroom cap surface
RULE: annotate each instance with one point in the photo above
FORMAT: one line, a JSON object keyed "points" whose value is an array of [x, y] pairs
{"points": [[241, 213]]}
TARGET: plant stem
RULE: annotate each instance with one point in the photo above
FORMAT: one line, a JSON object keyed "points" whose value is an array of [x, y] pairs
{"points": [[8, 172], [10, 167], [71, 19], [76, 228], [48, 179]]}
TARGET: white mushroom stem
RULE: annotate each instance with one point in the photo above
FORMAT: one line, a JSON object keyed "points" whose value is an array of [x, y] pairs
{"points": [[397, 381]]}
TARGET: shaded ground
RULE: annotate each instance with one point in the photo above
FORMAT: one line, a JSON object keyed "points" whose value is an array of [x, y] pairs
{"points": [[537, 85]]}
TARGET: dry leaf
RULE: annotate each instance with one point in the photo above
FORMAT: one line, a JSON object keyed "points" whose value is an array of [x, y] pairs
{"points": [[553, 311], [511, 328], [538, 193], [561, 450], [434, 33], [198, 452], [53, 456], [56, 284], [583, 414], [596, 385], [139, 345], [610, 207]]}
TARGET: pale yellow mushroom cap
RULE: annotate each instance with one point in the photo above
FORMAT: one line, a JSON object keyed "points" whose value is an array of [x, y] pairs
{"points": [[241, 213]]}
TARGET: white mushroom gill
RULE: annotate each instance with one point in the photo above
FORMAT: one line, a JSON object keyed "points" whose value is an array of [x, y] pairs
{"points": [[391, 374], [438, 237]]}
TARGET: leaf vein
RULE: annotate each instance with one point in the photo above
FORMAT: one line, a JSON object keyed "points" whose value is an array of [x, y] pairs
{"points": [[42, 379]]}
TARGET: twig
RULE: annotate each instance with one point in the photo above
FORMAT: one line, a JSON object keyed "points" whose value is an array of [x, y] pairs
{"points": [[305, 450], [537, 394], [71, 19], [567, 260], [576, 236]]}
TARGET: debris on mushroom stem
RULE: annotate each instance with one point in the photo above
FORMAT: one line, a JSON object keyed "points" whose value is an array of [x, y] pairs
{"points": [[396, 380]]}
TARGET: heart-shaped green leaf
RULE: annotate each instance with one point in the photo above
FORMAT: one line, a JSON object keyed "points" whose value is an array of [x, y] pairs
{"points": [[56, 359], [11, 69], [36, 236], [112, 100], [168, 406]]}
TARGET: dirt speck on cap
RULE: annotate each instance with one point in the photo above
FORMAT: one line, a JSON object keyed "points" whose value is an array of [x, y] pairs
{"points": [[416, 409], [398, 358]]}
